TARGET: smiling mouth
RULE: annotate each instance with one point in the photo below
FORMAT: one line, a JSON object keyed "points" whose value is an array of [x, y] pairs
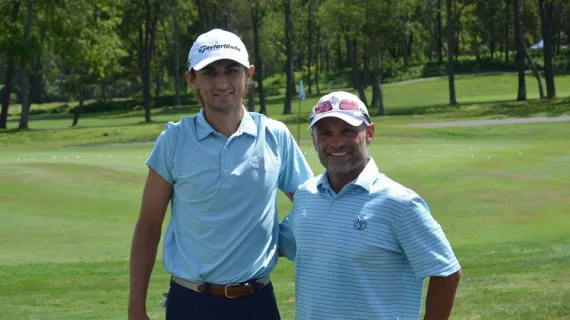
{"points": [[223, 94], [338, 154]]}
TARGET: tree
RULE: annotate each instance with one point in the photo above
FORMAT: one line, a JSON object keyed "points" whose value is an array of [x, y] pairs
{"points": [[439, 33], [545, 8], [520, 47], [87, 46], [141, 19], [258, 10], [450, 48], [24, 61], [8, 45], [289, 52]]}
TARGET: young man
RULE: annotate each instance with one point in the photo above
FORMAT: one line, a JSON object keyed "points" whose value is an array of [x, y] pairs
{"points": [[362, 243], [220, 171]]}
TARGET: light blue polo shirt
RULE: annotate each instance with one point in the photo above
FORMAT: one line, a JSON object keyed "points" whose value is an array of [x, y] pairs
{"points": [[362, 253], [224, 223]]}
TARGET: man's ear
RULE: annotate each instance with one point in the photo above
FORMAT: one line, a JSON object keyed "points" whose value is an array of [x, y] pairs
{"points": [[190, 79], [369, 133], [250, 72]]}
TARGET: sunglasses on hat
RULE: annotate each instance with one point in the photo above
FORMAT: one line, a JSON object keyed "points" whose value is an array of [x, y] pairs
{"points": [[344, 105]]}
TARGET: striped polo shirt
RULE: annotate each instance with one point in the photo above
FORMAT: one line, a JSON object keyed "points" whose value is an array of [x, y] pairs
{"points": [[224, 225], [362, 253]]}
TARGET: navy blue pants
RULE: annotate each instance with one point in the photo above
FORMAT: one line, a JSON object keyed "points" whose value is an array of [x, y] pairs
{"points": [[186, 304]]}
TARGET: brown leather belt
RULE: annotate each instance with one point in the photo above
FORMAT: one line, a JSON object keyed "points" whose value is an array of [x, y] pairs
{"points": [[230, 291]]}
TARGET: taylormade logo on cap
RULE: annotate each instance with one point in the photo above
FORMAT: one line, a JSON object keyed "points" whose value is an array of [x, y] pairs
{"points": [[217, 45]]}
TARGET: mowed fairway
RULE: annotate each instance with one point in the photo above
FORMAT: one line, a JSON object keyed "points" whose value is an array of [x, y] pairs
{"points": [[502, 198], [68, 205]]}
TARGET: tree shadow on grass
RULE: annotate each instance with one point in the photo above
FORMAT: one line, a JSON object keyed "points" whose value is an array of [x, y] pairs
{"points": [[504, 108]]}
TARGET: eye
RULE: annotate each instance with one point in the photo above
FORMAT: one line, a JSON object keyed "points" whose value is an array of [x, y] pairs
{"points": [[324, 133], [231, 71], [348, 131], [208, 73]]}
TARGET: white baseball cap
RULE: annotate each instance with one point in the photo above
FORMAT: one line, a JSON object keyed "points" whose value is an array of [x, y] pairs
{"points": [[343, 105], [216, 45]]}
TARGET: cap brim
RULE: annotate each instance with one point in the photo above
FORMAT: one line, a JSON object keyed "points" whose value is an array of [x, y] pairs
{"points": [[211, 59], [351, 120]]}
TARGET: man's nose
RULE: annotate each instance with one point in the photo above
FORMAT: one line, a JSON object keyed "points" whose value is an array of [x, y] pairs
{"points": [[336, 142], [221, 83]]}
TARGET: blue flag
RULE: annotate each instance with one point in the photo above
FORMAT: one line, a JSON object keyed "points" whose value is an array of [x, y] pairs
{"points": [[301, 91]]}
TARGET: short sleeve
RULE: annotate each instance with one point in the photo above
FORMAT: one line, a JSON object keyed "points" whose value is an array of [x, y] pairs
{"points": [[162, 155], [287, 244], [294, 169], [424, 243]]}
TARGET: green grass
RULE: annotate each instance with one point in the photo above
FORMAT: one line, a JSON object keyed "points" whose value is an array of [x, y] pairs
{"points": [[70, 201]]}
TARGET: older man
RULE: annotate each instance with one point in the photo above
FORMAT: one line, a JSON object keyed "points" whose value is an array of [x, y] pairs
{"points": [[362, 243]]}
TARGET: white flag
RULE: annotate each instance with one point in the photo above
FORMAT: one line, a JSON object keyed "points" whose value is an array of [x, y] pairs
{"points": [[301, 91]]}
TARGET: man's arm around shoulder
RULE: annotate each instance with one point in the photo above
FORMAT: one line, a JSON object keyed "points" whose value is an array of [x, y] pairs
{"points": [[441, 295], [156, 196]]}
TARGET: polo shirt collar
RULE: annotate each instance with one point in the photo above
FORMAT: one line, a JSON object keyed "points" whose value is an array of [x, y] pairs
{"points": [[204, 129], [368, 176], [365, 179]]}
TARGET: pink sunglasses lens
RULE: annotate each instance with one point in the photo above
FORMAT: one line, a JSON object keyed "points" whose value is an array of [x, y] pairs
{"points": [[322, 107], [348, 105]]}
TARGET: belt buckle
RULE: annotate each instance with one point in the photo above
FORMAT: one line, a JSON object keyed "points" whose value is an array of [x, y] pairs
{"points": [[226, 290]]}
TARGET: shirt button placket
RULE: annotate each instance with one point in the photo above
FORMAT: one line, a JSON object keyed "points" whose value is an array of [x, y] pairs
{"points": [[224, 159]]}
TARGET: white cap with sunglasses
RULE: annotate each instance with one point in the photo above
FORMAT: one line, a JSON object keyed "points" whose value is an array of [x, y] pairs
{"points": [[214, 45], [343, 105]]}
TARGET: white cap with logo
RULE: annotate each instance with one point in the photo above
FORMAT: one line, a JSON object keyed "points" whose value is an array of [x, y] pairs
{"points": [[217, 45], [343, 105]]}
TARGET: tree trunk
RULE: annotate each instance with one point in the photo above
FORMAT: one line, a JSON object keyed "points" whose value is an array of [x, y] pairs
{"points": [[357, 84], [310, 45], [439, 33], [507, 28], [340, 60], [327, 62], [145, 77], [457, 26], [103, 91], [520, 46], [535, 72], [146, 48], [450, 59], [77, 111], [349, 55], [255, 17], [158, 82], [176, 66], [545, 9], [319, 64], [366, 73], [377, 94], [289, 52], [25, 100], [7, 90]]}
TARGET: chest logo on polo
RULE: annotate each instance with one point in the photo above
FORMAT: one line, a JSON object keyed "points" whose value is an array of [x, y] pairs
{"points": [[255, 161], [360, 224]]}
